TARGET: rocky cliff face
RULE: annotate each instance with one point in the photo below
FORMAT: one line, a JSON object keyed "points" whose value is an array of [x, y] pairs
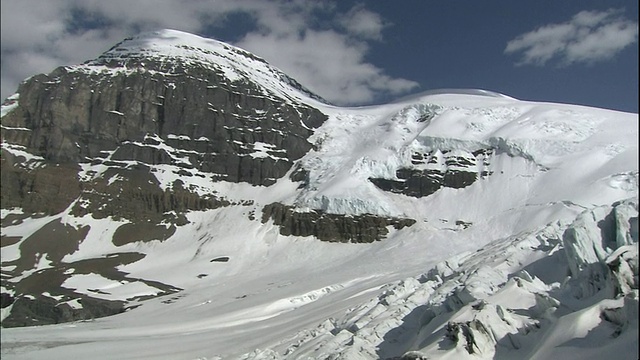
{"points": [[71, 116], [128, 137], [97, 139], [331, 227], [127, 113]]}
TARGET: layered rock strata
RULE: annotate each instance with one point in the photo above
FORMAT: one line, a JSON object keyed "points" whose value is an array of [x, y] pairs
{"points": [[331, 227], [434, 170]]}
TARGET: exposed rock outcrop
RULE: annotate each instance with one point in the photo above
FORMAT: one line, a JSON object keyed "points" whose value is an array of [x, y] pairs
{"points": [[42, 189], [432, 171], [43, 298], [45, 310], [331, 227]]}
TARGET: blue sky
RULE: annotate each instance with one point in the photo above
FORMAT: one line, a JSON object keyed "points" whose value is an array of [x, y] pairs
{"points": [[362, 52], [460, 44]]}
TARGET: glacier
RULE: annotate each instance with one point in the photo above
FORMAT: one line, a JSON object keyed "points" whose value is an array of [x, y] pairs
{"points": [[536, 258]]}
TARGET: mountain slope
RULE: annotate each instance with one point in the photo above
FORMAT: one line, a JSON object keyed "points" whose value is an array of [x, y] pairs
{"points": [[216, 207]]}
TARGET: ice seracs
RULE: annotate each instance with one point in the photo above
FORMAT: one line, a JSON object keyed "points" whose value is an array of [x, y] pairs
{"points": [[511, 299]]}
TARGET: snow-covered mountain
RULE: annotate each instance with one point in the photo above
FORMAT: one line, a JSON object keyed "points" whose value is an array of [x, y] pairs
{"points": [[180, 198]]}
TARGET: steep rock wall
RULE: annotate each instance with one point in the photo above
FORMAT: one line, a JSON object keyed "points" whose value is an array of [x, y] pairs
{"points": [[331, 227]]}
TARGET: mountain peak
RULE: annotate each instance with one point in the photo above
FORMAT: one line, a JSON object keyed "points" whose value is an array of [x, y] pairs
{"points": [[174, 43], [172, 51]]}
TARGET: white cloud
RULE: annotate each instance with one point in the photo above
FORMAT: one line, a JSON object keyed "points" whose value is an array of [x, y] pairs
{"points": [[363, 23], [590, 36], [324, 50], [328, 64]]}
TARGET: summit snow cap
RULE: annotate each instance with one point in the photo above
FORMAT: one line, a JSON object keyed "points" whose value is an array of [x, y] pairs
{"points": [[184, 50]]}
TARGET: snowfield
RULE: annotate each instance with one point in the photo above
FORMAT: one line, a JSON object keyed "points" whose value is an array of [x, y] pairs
{"points": [[514, 266]]}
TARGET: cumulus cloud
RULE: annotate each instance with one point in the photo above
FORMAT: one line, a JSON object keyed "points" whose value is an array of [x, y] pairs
{"points": [[328, 64], [589, 37], [323, 49], [363, 23]]}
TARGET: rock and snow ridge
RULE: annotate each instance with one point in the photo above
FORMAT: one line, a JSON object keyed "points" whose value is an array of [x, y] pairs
{"points": [[167, 50], [185, 185]]}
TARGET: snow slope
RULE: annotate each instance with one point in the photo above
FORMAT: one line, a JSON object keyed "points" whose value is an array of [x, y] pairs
{"points": [[487, 271]]}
